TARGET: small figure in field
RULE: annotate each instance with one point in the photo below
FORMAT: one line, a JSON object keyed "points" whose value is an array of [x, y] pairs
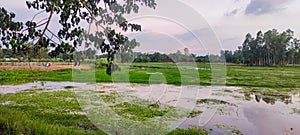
{"points": [[47, 65]]}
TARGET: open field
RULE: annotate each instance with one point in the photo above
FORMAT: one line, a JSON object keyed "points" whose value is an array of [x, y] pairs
{"points": [[269, 77], [38, 66], [57, 111], [38, 111], [61, 108]]}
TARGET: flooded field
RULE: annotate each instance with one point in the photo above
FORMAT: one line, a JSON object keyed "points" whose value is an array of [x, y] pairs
{"points": [[220, 110]]}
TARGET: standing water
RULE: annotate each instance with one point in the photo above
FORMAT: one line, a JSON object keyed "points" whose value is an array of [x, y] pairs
{"points": [[251, 112]]}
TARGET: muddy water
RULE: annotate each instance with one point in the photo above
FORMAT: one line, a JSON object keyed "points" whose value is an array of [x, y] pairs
{"points": [[251, 113], [49, 86]]}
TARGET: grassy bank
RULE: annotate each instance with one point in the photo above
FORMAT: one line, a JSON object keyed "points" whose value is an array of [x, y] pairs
{"points": [[268, 77]]}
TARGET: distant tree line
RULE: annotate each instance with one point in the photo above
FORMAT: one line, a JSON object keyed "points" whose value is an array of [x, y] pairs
{"points": [[43, 53], [186, 56], [266, 49], [178, 56]]}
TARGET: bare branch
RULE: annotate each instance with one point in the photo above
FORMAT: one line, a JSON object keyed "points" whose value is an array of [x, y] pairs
{"points": [[54, 35], [48, 22], [37, 15], [42, 20], [51, 39]]}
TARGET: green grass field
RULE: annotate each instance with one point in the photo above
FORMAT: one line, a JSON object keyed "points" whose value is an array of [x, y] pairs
{"points": [[32, 112], [47, 113], [268, 77], [35, 112]]}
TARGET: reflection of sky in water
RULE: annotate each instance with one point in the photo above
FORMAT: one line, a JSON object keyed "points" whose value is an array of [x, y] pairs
{"points": [[259, 114]]}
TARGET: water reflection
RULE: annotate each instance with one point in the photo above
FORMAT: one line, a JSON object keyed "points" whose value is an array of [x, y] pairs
{"points": [[48, 86], [258, 98], [269, 112], [268, 98]]}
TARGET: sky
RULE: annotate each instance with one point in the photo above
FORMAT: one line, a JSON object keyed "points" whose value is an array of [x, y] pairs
{"points": [[202, 26]]}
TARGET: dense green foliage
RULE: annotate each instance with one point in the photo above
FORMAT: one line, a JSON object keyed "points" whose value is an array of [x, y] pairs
{"points": [[266, 49], [138, 57], [172, 57]]}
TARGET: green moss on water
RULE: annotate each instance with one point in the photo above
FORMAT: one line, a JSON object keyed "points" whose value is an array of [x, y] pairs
{"points": [[189, 131], [194, 114], [228, 91], [211, 101], [109, 98], [139, 112]]}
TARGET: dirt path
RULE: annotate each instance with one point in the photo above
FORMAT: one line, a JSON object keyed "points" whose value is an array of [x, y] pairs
{"points": [[39, 66]]}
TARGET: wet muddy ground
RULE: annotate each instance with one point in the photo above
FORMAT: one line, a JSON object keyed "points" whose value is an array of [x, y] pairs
{"points": [[223, 109]]}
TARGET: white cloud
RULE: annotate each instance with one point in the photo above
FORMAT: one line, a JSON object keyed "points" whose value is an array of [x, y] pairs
{"points": [[228, 19], [258, 7]]}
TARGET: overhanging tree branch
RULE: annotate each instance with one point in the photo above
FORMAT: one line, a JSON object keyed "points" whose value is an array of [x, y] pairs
{"points": [[71, 14], [48, 22]]}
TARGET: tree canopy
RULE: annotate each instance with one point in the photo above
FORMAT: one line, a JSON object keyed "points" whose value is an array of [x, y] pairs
{"points": [[267, 49], [30, 35]]}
